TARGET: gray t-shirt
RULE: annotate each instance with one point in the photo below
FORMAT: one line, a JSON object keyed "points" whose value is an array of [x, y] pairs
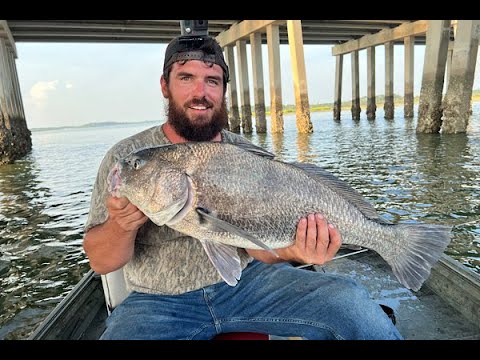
{"points": [[164, 261]]}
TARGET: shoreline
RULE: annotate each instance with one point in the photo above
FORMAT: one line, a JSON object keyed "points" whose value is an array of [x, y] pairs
{"points": [[329, 107], [287, 109]]}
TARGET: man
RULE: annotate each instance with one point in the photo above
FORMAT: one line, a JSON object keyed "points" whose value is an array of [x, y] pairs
{"points": [[176, 293]]}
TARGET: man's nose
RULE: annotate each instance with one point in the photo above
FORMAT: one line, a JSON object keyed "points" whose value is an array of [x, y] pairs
{"points": [[199, 88]]}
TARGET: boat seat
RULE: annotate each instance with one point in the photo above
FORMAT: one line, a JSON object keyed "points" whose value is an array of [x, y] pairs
{"points": [[114, 289]]}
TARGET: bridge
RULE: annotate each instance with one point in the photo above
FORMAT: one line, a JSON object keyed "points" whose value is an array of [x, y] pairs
{"points": [[327, 32], [451, 50]]}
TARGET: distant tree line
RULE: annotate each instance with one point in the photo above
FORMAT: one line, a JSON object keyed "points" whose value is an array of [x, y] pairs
{"points": [[380, 100]]}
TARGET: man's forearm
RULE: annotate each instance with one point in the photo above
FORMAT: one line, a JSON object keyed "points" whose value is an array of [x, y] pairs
{"points": [[265, 256], [108, 247]]}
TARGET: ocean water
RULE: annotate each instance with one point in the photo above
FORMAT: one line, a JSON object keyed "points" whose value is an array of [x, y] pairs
{"points": [[44, 198]]}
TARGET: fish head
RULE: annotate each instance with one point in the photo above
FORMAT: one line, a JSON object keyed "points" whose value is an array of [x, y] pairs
{"points": [[155, 185]]}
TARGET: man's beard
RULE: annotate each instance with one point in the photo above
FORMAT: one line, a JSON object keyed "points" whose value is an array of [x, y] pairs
{"points": [[200, 129]]}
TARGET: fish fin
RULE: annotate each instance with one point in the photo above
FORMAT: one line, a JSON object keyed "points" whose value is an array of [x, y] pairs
{"points": [[248, 146], [342, 188], [421, 247], [225, 259], [215, 224]]}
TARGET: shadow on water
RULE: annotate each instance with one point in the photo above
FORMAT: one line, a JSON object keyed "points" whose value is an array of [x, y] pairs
{"points": [[446, 168], [21, 205], [44, 202], [34, 250]]}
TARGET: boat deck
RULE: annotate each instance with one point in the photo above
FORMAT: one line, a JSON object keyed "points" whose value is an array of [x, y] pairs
{"points": [[420, 315]]}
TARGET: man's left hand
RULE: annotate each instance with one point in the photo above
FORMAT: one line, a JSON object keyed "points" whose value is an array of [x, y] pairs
{"points": [[316, 242]]}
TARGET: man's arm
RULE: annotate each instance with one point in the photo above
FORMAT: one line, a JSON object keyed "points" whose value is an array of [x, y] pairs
{"points": [[110, 245], [316, 242]]}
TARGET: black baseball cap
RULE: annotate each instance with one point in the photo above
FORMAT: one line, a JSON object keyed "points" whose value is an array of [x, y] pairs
{"points": [[202, 47]]}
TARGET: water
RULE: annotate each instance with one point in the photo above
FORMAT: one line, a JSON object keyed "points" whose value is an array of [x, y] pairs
{"points": [[44, 198]]}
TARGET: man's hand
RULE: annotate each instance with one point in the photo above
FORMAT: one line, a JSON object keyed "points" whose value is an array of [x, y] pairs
{"points": [[316, 242], [125, 214], [110, 245]]}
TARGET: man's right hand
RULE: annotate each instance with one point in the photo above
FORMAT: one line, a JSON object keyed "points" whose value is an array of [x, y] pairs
{"points": [[110, 245], [125, 214]]}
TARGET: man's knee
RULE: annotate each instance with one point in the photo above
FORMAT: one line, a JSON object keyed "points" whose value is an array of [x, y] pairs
{"points": [[342, 286]]}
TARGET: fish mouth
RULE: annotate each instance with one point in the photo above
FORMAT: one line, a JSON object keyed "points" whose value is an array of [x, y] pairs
{"points": [[188, 204], [114, 181]]}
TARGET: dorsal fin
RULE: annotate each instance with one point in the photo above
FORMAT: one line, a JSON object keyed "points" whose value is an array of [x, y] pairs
{"points": [[343, 189]]}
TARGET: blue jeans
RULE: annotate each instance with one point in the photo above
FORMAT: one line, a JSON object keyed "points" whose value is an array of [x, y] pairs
{"points": [[276, 299]]}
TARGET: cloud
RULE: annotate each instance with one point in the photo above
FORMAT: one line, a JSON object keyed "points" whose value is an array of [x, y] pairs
{"points": [[68, 85], [41, 90]]}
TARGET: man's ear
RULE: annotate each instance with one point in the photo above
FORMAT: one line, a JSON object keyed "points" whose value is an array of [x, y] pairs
{"points": [[164, 86]]}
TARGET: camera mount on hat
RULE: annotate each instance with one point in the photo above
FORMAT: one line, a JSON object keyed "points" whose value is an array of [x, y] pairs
{"points": [[194, 27], [194, 43], [193, 33]]}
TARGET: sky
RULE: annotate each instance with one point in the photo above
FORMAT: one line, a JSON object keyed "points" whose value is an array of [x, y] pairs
{"points": [[72, 84]]}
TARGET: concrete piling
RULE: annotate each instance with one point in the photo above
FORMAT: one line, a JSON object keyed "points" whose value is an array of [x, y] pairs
{"points": [[15, 137]]}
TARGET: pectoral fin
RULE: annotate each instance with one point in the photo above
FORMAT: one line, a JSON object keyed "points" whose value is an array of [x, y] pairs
{"points": [[225, 259], [215, 224]]}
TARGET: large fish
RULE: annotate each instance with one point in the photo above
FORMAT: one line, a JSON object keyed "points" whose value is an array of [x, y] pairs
{"points": [[238, 195]]}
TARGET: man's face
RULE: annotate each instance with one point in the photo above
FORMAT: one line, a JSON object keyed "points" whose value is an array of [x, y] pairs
{"points": [[196, 107]]}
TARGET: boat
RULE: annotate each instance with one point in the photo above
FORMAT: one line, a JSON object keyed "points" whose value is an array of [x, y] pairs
{"points": [[447, 307]]}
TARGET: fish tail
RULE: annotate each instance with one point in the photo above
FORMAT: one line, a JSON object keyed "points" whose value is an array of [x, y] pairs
{"points": [[421, 247]]}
